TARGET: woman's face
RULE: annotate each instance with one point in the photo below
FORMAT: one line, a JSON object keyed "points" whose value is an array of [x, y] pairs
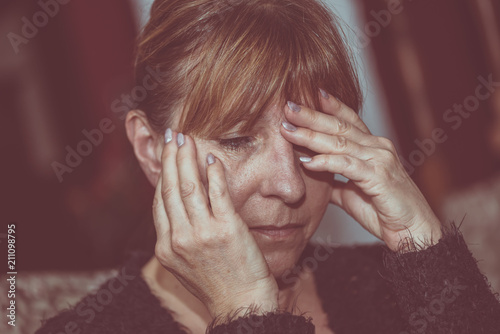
{"points": [[269, 187]]}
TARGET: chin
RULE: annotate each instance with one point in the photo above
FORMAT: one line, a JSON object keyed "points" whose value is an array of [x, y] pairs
{"points": [[282, 261], [282, 252]]}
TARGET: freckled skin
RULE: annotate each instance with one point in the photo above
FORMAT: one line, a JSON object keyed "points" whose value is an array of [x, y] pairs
{"points": [[269, 186]]}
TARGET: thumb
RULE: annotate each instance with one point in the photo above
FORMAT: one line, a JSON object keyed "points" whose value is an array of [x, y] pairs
{"points": [[345, 192]]}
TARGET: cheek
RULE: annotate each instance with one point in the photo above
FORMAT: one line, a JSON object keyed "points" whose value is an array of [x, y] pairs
{"points": [[318, 189], [238, 175], [240, 182]]}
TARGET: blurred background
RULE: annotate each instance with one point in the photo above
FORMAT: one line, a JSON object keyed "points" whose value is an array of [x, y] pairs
{"points": [[430, 71]]}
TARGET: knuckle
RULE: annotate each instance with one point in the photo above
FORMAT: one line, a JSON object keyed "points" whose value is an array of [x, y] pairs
{"points": [[187, 189], [202, 238], [213, 237], [348, 162], [161, 251], [341, 143], [205, 238], [167, 192], [322, 161], [387, 144], [226, 235], [180, 244], [310, 135], [343, 126]]}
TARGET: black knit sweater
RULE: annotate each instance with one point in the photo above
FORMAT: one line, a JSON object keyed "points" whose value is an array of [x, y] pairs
{"points": [[364, 289]]}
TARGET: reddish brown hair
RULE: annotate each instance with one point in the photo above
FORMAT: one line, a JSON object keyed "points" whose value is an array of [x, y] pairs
{"points": [[226, 61]]}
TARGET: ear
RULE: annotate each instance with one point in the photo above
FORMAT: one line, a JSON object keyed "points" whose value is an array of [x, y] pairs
{"points": [[146, 143]]}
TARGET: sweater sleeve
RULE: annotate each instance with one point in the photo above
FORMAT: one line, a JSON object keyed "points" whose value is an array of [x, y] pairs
{"points": [[441, 290], [272, 322]]}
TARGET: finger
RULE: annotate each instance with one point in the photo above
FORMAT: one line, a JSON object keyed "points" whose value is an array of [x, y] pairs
{"points": [[335, 107], [220, 200], [345, 190], [327, 144], [190, 184], [162, 225], [350, 167], [328, 124], [176, 213]]}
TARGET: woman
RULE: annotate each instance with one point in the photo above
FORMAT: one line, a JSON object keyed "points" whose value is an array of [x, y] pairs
{"points": [[254, 111]]}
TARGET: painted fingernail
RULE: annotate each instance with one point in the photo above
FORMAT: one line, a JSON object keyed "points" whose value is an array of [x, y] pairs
{"points": [[324, 94], [305, 159], [210, 159], [289, 127], [180, 139], [293, 106], [168, 136]]}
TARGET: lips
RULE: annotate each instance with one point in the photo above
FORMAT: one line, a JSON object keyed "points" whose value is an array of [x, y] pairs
{"points": [[277, 233], [276, 227]]}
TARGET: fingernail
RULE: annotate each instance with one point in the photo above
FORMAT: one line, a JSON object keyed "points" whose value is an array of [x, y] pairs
{"points": [[293, 106], [168, 136], [180, 139], [324, 94], [210, 159], [289, 127], [305, 159]]}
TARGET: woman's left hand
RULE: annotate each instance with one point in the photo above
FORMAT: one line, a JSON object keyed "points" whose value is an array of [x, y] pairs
{"points": [[380, 194]]}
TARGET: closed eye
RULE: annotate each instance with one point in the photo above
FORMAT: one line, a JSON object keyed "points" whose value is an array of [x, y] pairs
{"points": [[236, 144]]}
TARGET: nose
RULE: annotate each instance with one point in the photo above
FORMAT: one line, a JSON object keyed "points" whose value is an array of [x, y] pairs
{"points": [[283, 178]]}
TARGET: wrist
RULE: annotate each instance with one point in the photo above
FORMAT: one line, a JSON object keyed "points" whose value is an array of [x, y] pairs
{"points": [[261, 299], [409, 240], [227, 311]]}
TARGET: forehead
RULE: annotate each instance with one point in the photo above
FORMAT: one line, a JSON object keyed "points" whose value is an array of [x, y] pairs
{"points": [[272, 115], [274, 112]]}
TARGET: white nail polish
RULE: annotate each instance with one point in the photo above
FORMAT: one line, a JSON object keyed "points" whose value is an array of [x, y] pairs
{"points": [[324, 94], [180, 139], [168, 136], [289, 127], [210, 159], [293, 106]]}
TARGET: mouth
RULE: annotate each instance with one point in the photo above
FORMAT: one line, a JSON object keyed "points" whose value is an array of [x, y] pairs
{"points": [[275, 233]]}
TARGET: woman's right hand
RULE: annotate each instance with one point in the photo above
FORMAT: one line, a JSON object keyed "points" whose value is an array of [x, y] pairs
{"points": [[202, 240]]}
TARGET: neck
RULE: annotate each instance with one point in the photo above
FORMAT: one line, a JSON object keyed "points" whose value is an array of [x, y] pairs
{"points": [[184, 305]]}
